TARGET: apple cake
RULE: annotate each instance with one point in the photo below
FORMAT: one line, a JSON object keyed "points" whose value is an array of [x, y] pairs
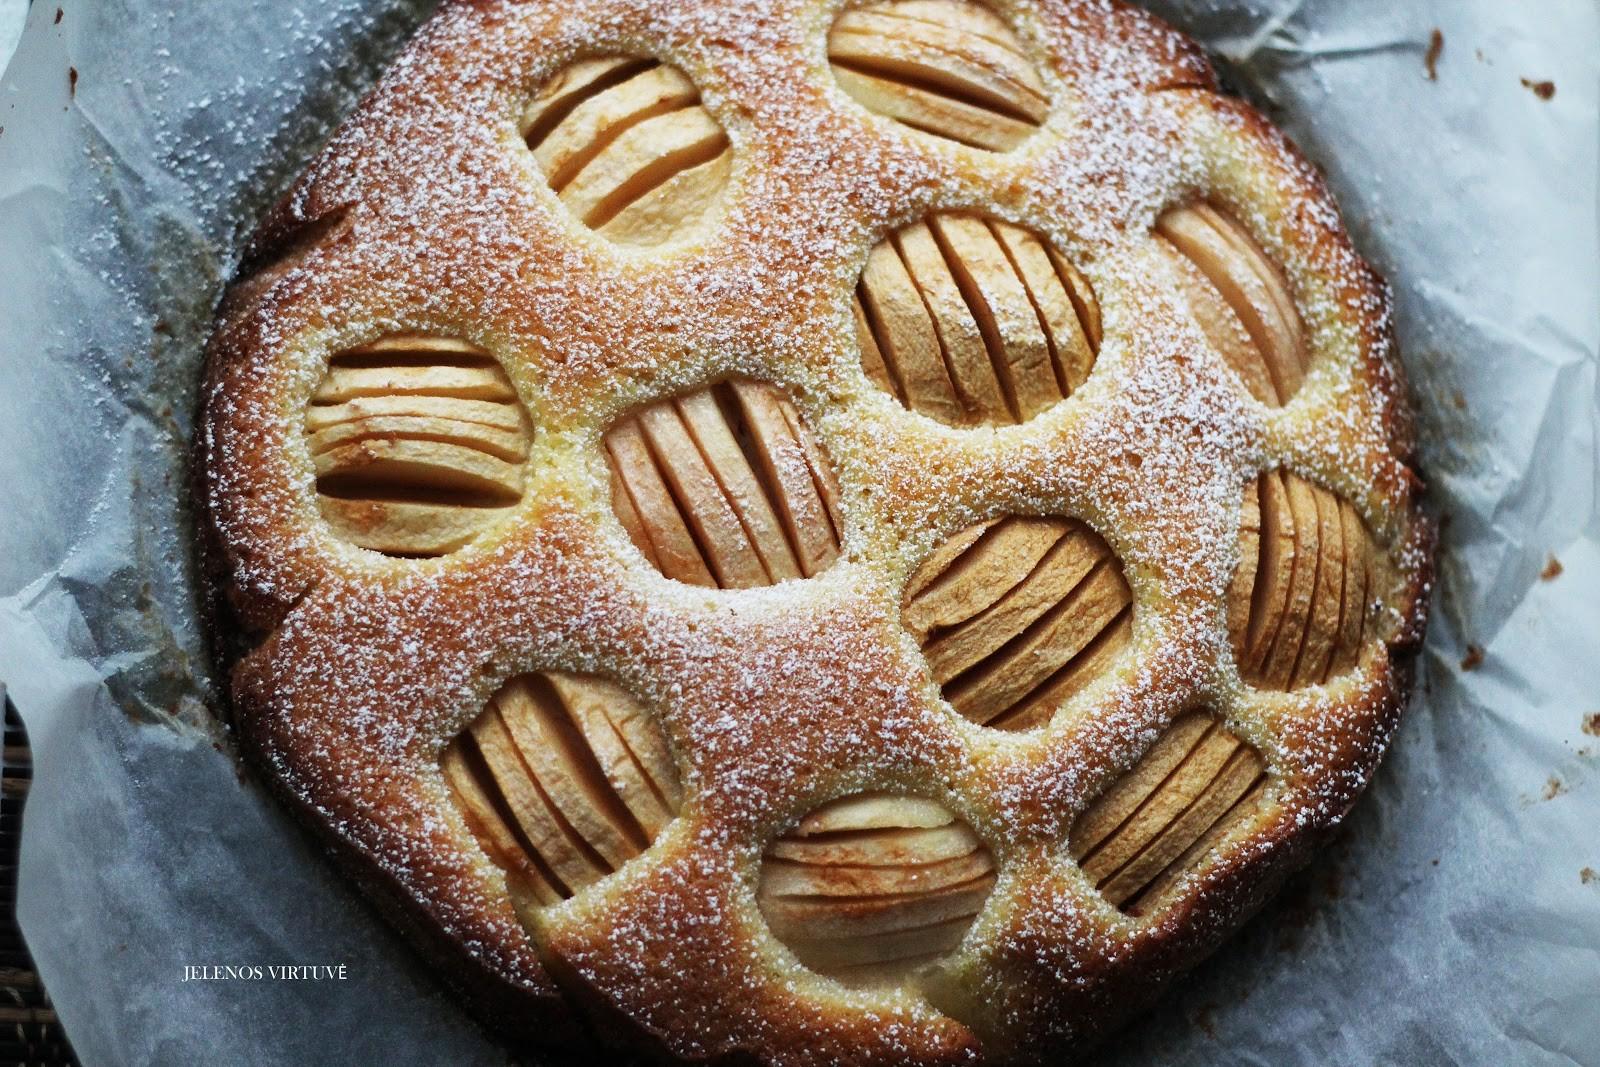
{"points": [[800, 532]]}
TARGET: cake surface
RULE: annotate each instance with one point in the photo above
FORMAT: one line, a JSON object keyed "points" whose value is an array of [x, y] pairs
{"points": [[793, 532]]}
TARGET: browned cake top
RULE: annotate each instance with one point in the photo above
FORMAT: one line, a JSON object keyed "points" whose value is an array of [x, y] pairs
{"points": [[846, 534]]}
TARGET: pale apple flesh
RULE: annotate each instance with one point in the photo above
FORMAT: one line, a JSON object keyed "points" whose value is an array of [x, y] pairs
{"points": [[872, 886], [1299, 601], [628, 148], [1017, 615], [1161, 819], [725, 487], [947, 67], [418, 443], [563, 779], [1240, 298], [974, 321]]}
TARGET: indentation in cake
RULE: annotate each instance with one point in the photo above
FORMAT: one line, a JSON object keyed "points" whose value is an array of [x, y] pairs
{"points": [[725, 487], [1163, 817], [628, 147], [871, 887], [420, 444], [1240, 299], [1019, 614], [1308, 570], [563, 778], [950, 68], [273, 254], [975, 321]]}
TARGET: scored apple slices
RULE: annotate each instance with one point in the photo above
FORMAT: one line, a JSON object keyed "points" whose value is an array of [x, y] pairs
{"points": [[1018, 614], [628, 147], [870, 887], [1240, 298], [1160, 819], [725, 487], [1308, 572], [947, 67], [419, 444], [563, 778], [974, 321]]}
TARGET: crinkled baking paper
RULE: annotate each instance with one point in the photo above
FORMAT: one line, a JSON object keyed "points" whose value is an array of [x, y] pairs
{"points": [[1452, 922]]}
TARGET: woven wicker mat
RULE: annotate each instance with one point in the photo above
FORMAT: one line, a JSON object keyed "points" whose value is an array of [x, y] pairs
{"points": [[30, 1033]]}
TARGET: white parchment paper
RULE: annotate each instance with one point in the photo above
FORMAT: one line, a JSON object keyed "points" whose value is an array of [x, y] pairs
{"points": [[13, 13], [1451, 923]]}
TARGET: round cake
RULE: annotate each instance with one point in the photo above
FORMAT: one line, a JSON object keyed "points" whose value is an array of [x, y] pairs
{"points": [[789, 532]]}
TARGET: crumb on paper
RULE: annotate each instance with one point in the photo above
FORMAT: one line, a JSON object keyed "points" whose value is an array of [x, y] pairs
{"points": [[1552, 570], [72, 81], [59, 14], [1459, 399], [1588, 875], [1435, 50], [1473, 659], [1553, 788], [1591, 724], [1544, 90]]}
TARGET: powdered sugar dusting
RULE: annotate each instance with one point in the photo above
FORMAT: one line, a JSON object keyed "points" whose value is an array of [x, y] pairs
{"points": [[779, 699]]}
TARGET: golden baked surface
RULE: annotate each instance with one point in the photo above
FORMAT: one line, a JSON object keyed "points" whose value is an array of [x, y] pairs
{"points": [[822, 533]]}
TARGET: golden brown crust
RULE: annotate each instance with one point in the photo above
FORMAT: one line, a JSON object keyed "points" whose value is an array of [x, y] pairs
{"points": [[427, 214]]}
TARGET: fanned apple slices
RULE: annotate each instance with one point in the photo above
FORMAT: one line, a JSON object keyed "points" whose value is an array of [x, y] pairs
{"points": [[725, 487], [1308, 570], [1240, 298], [420, 443], [627, 146], [870, 887], [947, 67], [1158, 821], [1017, 615], [563, 779], [971, 320]]}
